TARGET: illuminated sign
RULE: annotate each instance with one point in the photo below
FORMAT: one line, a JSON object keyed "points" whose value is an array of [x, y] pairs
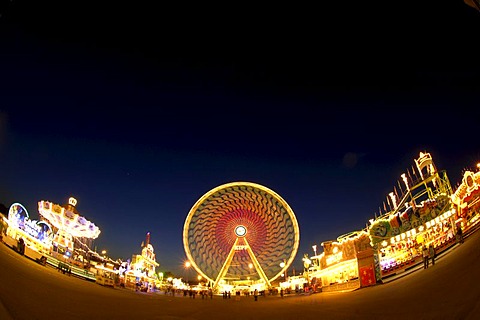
{"points": [[334, 258], [18, 218], [72, 201], [31, 228]]}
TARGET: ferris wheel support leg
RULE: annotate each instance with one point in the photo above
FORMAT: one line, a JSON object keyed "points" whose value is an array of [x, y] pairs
{"points": [[257, 265], [226, 265]]}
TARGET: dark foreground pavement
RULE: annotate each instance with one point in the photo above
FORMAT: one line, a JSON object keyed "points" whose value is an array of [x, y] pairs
{"points": [[448, 290]]}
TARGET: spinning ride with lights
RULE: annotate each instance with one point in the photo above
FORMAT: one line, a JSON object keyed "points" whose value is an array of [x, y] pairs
{"points": [[241, 233], [69, 224]]}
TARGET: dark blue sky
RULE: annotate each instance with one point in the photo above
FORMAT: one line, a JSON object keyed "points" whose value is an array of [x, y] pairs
{"points": [[139, 111]]}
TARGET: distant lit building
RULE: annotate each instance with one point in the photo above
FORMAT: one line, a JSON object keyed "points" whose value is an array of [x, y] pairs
{"points": [[142, 268]]}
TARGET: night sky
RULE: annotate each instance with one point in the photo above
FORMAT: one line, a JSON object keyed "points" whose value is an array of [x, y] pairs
{"points": [[138, 110]]}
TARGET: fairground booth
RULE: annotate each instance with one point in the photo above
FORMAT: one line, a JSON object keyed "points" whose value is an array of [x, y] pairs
{"points": [[420, 212], [466, 200], [344, 264]]}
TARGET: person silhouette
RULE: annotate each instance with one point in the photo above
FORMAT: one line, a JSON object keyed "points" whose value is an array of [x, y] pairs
{"points": [[459, 234], [431, 254], [425, 256]]}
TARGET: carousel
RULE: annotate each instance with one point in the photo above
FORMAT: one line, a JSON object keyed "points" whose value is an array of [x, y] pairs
{"points": [[73, 234]]}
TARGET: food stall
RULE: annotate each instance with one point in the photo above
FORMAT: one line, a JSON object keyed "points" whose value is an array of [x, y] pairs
{"points": [[344, 264]]}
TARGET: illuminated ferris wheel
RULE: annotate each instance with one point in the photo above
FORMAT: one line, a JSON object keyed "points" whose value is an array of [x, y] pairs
{"points": [[241, 231]]}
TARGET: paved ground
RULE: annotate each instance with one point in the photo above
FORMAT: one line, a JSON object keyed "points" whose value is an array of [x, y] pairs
{"points": [[448, 290]]}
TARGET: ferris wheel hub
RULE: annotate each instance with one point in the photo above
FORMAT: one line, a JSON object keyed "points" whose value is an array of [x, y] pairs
{"points": [[240, 231]]}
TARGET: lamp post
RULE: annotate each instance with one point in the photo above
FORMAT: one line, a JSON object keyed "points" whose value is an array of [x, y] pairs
{"points": [[250, 266], [104, 254], [282, 265], [187, 266], [306, 265]]}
